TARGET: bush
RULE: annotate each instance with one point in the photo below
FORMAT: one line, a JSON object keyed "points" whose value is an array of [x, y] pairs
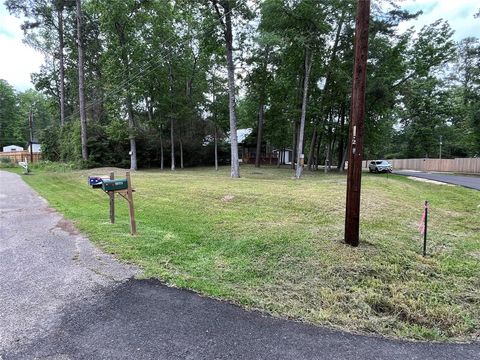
{"points": [[53, 166], [61, 144], [6, 163], [49, 138], [108, 145]]}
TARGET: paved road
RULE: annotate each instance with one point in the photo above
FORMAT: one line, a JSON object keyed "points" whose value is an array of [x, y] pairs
{"points": [[471, 182], [60, 298]]}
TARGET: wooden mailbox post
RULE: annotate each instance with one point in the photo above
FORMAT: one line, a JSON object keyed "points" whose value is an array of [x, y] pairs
{"points": [[111, 195], [122, 187], [131, 210]]}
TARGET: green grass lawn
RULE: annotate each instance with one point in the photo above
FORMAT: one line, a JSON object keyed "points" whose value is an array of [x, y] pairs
{"points": [[269, 242]]}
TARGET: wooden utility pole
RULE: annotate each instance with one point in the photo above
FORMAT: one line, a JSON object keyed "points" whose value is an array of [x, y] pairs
{"points": [[131, 209], [30, 124], [357, 117]]}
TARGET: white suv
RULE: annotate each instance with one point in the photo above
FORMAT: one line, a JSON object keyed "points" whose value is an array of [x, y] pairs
{"points": [[380, 166]]}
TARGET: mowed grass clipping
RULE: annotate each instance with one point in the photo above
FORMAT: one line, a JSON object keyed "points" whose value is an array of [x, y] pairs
{"points": [[269, 242]]}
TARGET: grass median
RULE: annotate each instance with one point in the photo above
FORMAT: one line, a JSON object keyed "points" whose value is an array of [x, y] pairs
{"points": [[272, 243]]}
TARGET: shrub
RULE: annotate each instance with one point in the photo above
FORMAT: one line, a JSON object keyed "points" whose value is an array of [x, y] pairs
{"points": [[6, 163]]}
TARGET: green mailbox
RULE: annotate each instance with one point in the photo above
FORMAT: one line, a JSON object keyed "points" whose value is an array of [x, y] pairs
{"points": [[114, 185]]}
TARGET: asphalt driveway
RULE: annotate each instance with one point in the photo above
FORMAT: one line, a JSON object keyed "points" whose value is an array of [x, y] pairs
{"points": [[61, 298], [471, 182]]}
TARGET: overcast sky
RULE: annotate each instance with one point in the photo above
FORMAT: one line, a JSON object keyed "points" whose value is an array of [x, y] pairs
{"points": [[459, 14], [18, 61]]}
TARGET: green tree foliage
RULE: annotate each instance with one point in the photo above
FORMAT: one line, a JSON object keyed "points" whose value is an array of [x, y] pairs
{"points": [[15, 109], [468, 77], [9, 118], [157, 81]]}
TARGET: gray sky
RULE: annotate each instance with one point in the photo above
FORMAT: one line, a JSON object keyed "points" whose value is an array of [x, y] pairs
{"points": [[18, 61]]}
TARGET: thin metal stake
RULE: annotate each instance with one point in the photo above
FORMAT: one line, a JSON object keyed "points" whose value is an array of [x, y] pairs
{"points": [[425, 230]]}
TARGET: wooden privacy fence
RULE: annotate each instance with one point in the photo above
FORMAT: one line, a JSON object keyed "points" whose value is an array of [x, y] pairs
{"points": [[16, 156], [458, 165]]}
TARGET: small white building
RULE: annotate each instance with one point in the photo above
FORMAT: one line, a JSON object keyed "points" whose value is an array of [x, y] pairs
{"points": [[36, 147], [12, 148]]}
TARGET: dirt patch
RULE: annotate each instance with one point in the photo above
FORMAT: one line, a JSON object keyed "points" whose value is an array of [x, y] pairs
{"points": [[67, 226], [228, 198]]}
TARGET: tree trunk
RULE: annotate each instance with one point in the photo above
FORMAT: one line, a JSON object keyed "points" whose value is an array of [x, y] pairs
{"points": [[332, 149], [215, 136], [81, 82], [327, 155], [131, 132], [62, 65], [215, 128], [128, 98], [319, 146], [161, 148], [269, 153], [312, 148], [150, 119], [181, 153], [300, 158], [235, 166], [172, 144], [344, 158], [261, 111], [294, 145], [328, 142], [172, 138], [341, 138]]}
